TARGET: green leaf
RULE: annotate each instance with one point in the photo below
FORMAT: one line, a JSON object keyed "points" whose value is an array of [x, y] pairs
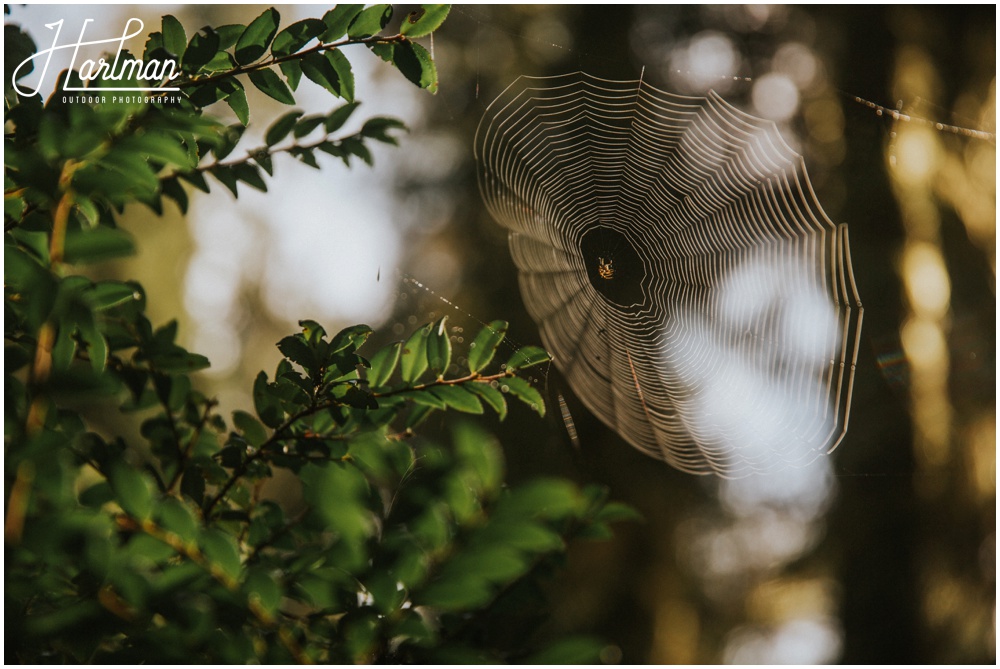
{"points": [[414, 357], [526, 357], [64, 348], [97, 495], [344, 73], [439, 347], [485, 344], [226, 178], [147, 549], [254, 41], [338, 494], [175, 360], [520, 533], [131, 490], [237, 101], [108, 294], [524, 391], [209, 93], [220, 549], [14, 206], [153, 50], [97, 347], [281, 128], [268, 520], [174, 38], [263, 158], [457, 397], [177, 517], [416, 64], [332, 71], [424, 397], [313, 331], [338, 19], [417, 415], [250, 427], [306, 156], [307, 124], [383, 364], [595, 531], [221, 62], [250, 175], [18, 47], [196, 179], [296, 36], [292, 70], [425, 20], [542, 498], [265, 403], [370, 21], [172, 188], [575, 650], [296, 350], [377, 128], [480, 451], [319, 70], [200, 50], [88, 210], [356, 147], [264, 587], [229, 33], [98, 244], [614, 512], [338, 117], [499, 565], [456, 594], [269, 83], [490, 395], [159, 146], [383, 50], [228, 139], [350, 339]]}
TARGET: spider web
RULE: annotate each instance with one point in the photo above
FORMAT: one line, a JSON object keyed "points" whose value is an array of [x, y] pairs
{"points": [[679, 267]]}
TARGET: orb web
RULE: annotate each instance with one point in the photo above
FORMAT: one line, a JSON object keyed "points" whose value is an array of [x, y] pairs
{"points": [[680, 269]]}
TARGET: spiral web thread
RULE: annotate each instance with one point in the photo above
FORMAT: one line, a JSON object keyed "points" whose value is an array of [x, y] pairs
{"points": [[707, 363]]}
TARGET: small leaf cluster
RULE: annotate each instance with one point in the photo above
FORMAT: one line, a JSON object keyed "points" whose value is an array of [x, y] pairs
{"points": [[274, 60], [285, 136], [115, 149], [428, 353]]}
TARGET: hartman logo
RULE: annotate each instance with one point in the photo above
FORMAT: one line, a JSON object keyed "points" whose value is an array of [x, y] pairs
{"points": [[108, 74]]}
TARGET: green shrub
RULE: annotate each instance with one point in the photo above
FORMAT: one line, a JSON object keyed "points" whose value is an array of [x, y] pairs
{"points": [[162, 546]]}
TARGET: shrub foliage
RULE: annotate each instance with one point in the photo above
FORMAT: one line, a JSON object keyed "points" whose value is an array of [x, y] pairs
{"points": [[167, 544]]}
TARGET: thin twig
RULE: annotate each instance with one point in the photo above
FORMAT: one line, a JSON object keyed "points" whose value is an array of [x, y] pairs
{"points": [[277, 60], [276, 436]]}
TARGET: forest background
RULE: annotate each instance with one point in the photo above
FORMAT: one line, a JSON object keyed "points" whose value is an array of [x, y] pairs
{"points": [[895, 560]]}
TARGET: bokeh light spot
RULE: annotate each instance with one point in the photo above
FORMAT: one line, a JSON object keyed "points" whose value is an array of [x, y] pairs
{"points": [[775, 97]]}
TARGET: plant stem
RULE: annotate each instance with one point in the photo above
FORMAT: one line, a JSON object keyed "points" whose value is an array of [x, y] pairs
{"points": [[474, 376], [277, 60], [261, 451]]}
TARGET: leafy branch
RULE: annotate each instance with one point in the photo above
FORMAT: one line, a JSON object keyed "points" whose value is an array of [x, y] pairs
{"points": [[213, 61], [278, 60], [330, 383]]}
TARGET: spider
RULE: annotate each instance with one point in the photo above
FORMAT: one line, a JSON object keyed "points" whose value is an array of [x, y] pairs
{"points": [[605, 268]]}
